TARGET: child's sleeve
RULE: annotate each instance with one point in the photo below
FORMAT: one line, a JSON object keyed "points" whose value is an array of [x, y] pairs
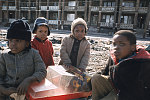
{"points": [[2, 69], [106, 70], [63, 52], [40, 68]]}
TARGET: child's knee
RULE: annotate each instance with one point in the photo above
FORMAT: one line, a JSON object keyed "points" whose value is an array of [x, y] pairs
{"points": [[96, 78]]}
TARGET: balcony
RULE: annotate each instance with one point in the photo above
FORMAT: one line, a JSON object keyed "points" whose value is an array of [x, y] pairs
{"points": [[53, 22], [4, 7], [106, 24], [143, 9], [126, 26], [80, 8], [24, 8], [43, 8], [33, 8], [125, 9], [67, 22], [53, 8], [12, 7], [70, 8], [108, 9], [94, 8]]}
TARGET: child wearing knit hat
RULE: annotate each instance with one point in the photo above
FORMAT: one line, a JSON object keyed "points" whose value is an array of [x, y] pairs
{"points": [[75, 49], [21, 65], [41, 43]]}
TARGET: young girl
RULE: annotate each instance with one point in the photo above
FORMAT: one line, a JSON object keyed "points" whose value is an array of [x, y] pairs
{"points": [[41, 43], [75, 49], [20, 66]]}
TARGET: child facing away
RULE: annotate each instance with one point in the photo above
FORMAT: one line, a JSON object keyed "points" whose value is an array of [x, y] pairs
{"points": [[21, 65], [116, 81], [75, 49], [41, 43]]}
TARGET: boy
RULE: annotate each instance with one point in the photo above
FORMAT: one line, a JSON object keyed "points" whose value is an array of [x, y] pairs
{"points": [[41, 43], [75, 49], [20, 66], [124, 49]]}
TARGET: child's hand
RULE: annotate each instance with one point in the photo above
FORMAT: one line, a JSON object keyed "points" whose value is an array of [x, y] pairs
{"points": [[23, 87], [68, 67], [9, 91]]}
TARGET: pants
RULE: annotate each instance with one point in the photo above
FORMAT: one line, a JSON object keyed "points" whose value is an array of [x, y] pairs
{"points": [[101, 86]]}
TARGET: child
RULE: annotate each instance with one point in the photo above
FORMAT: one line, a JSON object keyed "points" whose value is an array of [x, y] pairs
{"points": [[20, 66], [124, 49], [75, 49], [41, 42]]}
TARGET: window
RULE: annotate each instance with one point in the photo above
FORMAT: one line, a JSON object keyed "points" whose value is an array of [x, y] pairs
{"points": [[127, 19], [70, 17], [128, 4], [71, 3], [108, 18], [108, 4]]}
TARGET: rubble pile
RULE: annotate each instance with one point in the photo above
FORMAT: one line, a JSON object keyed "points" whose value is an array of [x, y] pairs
{"points": [[100, 48]]}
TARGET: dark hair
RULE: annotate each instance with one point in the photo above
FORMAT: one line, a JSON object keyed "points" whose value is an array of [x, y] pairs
{"points": [[128, 34]]}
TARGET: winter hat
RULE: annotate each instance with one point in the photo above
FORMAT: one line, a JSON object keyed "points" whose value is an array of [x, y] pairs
{"points": [[40, 21], [78, 21], [19, 30]]}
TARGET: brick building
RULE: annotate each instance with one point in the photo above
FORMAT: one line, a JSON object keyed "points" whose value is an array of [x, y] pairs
{"points": [[101, 15]]}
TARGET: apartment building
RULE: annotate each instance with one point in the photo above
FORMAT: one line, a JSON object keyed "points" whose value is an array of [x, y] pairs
{"points": [[101, 15]]}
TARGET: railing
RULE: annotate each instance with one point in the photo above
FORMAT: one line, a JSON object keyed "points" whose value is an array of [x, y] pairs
{"points": [[44, 8], [32, 8], [94, 8], [68, 8], [126, 26], [24, 8], [108, 9], [54, 8], [128, 8], [149, 27], [67, 22], [11, 20], [12, 7], [4, 7], [53, 22], [143, 9], [80, 8], [106, 24]]}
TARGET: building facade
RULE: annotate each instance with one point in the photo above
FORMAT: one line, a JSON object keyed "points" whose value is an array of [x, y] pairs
{"points": [[101, 15]]}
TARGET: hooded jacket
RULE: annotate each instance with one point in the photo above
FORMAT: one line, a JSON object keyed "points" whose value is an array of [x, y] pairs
{"points": [[131, 76], [83, 53], [14, 68], [45, 50]]}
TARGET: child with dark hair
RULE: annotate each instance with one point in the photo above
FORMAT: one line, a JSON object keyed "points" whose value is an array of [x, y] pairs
{"points": [[41, 43], [111, 81], [21, 65]]}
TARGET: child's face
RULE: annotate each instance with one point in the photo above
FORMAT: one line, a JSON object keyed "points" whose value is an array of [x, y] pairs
{"points": [[79, 32], [42, 32], [122, 47], [17, 45]]}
